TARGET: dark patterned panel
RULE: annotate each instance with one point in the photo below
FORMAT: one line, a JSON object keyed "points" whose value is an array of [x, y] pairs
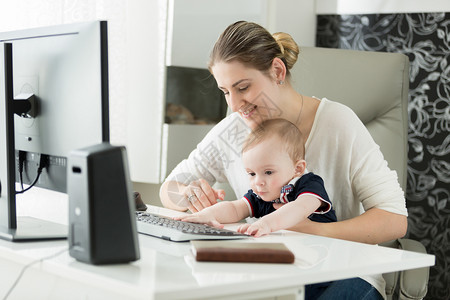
{"points": [[425, 39]]}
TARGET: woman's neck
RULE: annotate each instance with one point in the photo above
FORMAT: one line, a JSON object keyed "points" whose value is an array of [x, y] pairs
{"points": [[300, 110], [309, 114]]}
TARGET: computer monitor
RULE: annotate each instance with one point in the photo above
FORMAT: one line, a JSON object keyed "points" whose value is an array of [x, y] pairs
{"points": [[53, 99]]}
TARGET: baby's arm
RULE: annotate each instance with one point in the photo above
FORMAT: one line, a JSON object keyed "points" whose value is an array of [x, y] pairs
{"points": [[287, 216], [216, 215]]}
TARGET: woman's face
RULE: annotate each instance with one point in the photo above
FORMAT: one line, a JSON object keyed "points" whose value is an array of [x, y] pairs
{"points": [[248, 91]]}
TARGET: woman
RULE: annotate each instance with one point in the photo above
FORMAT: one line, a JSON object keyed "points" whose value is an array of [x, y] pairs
{"points": [[252, 68]]}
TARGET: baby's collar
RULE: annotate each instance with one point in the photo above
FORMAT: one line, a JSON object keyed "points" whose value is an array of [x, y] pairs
{"points": [[285, 190]]}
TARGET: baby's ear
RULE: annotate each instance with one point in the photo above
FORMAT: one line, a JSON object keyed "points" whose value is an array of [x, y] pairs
{"points": [[300, 166]]}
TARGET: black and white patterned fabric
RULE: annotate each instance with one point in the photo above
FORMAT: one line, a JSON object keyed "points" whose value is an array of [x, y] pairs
{"points": [[425, 39]]}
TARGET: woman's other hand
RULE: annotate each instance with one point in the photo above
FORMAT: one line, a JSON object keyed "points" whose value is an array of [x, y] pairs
{"points": [[374, 226]]}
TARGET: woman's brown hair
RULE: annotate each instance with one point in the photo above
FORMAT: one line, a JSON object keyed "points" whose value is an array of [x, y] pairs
{"points": [[252, 45]]}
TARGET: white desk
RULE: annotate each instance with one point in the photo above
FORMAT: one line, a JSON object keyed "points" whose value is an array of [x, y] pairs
{"points": [[166, 270]]}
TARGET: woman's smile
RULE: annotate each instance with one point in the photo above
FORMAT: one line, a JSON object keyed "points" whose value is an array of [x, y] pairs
{"points": [[248, 110]]}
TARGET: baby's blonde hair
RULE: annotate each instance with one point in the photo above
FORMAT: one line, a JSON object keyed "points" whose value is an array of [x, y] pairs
{"points": [[287, 132]]}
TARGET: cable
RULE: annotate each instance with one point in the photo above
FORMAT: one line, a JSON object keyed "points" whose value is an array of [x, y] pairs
{"points": [[44, 162], [26, 267], [22, 159]]}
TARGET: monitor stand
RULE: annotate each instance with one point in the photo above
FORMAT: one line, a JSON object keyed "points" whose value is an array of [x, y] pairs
{"points": [[32, 229]]}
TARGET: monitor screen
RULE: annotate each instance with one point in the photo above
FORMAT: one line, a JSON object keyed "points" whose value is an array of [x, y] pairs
{"points": [[58, 103]]}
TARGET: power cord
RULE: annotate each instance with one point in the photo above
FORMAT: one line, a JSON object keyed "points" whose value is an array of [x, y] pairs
{"points": [[44, 162], [26, 267]]}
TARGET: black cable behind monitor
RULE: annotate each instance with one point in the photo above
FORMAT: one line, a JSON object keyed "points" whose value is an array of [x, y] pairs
{"points": [[43, 163], [22, 159]]}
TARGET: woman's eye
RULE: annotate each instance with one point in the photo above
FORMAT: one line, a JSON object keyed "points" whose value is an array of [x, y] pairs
{"points": [[242, 89]]}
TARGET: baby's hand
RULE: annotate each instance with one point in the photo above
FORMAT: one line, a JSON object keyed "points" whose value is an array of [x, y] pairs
{"points": [[243, 228], [257, 229], [201, 217]]}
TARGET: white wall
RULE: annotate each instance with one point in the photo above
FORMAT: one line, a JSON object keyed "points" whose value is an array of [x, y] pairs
{"points": [[145, 55], [296, 17], [194, 25], [380, 6]]}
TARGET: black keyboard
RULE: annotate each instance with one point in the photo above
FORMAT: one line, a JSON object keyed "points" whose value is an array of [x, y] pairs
{"points": [[180, 231]]}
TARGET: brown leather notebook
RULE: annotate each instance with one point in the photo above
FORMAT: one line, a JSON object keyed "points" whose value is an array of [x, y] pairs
{"points": [[231, 251]]}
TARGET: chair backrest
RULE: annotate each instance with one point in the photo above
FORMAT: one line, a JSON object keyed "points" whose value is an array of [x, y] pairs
{"points": [[374, 84]]}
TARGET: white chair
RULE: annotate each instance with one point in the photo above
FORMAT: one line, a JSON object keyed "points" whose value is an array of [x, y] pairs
{"points": [[375, 85]]}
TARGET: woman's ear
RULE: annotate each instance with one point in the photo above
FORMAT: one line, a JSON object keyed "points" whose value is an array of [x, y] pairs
{"points": [[300, 167], [279, 70]]}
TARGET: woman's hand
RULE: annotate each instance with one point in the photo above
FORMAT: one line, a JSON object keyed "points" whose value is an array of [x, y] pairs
{"points": [[196, 196], [200, 195]]}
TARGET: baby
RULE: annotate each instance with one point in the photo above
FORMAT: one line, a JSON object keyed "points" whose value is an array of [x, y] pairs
{"points": [[273, 156]]}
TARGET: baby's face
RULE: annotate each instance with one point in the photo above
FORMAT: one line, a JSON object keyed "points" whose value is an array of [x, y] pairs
{"points": [[269, 168]]}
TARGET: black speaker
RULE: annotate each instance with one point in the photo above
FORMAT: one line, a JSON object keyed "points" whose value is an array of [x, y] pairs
{"points": [[102, 218]]}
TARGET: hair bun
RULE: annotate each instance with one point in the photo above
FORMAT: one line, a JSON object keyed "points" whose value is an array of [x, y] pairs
{"points": [[289, 48]]}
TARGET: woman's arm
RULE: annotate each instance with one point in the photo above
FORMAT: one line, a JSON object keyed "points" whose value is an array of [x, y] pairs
{"points": [[354, 171], [200, 170], [372, 227], [176, 200]]}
